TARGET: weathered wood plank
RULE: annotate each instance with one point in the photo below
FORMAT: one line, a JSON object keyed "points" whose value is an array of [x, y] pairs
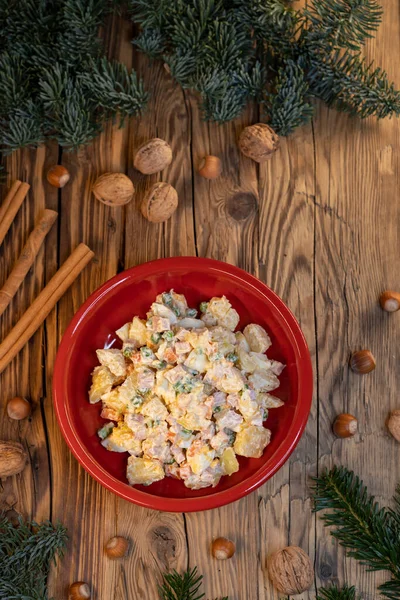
{"points": [[29, 491], [357, 220]]}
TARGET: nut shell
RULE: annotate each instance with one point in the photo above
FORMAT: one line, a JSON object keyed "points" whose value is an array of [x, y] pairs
{"points": [[362, 362], [222, 548], [117, 547], [79, 591], [393, 424], [390, 301], [160, 202], [13, 458], [18, 408], [258, 142], [58, 176], [345, 425], [153, 156], [113, 189], [290, 570], [210, 167]]}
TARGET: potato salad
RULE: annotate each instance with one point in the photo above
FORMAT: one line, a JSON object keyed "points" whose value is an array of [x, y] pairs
{"points": [[186, 394]]}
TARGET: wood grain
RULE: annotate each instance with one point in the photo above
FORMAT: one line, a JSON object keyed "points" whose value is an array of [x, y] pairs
{"points": [[319, 223]]}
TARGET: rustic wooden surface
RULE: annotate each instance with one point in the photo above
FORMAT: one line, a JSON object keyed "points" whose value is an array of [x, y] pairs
{"points": [[319, 224]]}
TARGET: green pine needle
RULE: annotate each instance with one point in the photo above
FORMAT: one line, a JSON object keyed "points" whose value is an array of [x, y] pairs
{"points": [[26, 556], [342, 23], [334, 593], [370, 533], [182, 587], [287, 106]]}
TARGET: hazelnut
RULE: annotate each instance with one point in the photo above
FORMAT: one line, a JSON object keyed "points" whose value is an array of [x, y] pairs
{"points": [[362, 362], [290, 570], [58, 176], [18, 408], [113, 189], [258, 142], [345, 425], [117, 547], [79, 591], [393, 424], [153, 156], [222, 548], [160, 202], [13, 458], [390, 301], [210, 167]]}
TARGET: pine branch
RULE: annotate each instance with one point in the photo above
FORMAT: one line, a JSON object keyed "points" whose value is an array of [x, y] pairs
{"points": [[334, 593], [351, 85], [287, 105], [182, 587], [25, 558], [114, 89], [369, 532], [342, 23]]}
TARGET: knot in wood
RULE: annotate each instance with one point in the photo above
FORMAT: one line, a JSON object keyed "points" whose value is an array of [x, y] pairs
{"points": [[241, 205], [165, 543], [325, 571]]}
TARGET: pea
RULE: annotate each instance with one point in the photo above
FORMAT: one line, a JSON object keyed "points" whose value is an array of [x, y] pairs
{"points": [[203, 307]]}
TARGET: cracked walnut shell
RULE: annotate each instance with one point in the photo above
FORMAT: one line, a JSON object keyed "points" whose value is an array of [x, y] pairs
{"points": [[153, 156], [160, 202], [290, 570], [258, 142]]}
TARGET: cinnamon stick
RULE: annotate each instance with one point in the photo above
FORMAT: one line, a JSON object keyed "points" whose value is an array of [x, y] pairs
{"points": [[11, 206], [26, 258], [44, 303], [6, 202]]}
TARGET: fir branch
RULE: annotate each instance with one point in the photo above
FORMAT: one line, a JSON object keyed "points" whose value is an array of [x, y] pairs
{"points": [[182, 587], [287, 105], [334, 593], [25, 557], [348, 83], [342, 23], [114, 89], [370, 533]]}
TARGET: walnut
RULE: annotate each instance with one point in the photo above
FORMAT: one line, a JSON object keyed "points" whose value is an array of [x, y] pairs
{"points": [[393, 424], [113, 189], [160, 202], [153, 156], [290, 570], [258, 142], [13, 458]]}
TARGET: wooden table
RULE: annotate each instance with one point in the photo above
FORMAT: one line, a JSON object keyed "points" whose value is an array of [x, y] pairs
{"points": [[319, 224]]}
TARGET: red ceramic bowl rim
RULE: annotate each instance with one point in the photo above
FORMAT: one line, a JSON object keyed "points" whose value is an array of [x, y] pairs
{"points": [[215, 499]]}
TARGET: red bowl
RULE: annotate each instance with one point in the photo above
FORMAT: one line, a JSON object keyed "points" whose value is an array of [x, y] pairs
{"points": [[131, 293]]}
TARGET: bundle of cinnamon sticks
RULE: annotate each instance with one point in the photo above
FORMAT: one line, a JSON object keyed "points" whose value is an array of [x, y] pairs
{"points": [[57, 286]]}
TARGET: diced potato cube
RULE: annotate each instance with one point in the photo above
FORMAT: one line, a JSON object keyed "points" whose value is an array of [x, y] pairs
{"points": [[102, 382], [218, 307], [230, 320], [122, 439], [251, 441], [257, 338], [155, 409], [229, 462], [114, 360], [144, 471], [269, 401], [137, 331], [264, 381], [123, 332], [197, 360]]}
